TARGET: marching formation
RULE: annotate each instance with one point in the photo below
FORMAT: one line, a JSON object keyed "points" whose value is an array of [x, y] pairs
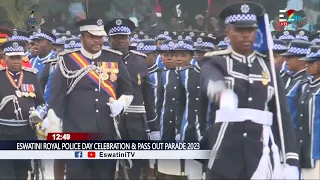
{"points": [[261, 120]]}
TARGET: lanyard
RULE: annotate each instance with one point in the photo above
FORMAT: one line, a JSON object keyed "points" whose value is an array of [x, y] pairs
{"points": [[13, 83]]}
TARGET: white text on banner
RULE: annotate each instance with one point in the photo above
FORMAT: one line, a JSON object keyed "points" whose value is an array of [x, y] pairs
{"points": [[161, 154]]}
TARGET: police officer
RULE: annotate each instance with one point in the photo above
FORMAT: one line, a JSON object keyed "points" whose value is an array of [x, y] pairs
{"points": [[20, 93], [43, 39], [106, 80], [202, 45], [32, 46], [139, 118], [188, 100], [279, 47], [285, 35], [308, 119], [239, 81]]}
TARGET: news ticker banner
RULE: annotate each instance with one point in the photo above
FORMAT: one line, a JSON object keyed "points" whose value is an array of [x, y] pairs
{"points": [[154, 154]]}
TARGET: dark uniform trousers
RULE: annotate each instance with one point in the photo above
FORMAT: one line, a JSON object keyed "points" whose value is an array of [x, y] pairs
{"points": [[239, 145], [18, 169], [84, 109], [134, 125]]}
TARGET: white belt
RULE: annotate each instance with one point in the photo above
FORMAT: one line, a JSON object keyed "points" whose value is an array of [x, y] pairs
{"points": [[243, 114], [136, 109]]}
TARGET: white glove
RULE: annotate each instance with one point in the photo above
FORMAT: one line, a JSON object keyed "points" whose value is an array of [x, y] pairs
{"points": [[290, 172], [177, 137], [213, 88], [155, 135], [35, 117], [116, 107], [54, 123], [228, 99]]}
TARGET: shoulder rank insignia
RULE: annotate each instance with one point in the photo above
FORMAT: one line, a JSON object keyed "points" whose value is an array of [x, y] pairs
{"points": [[260, 54], [218, 53], [138, 53], [113, 51], [32, 70]]}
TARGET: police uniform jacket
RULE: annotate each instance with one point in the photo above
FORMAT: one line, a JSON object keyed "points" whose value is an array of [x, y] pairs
{"points": [[49, 65], [140, 115], [18, 125], [308, 123], [37, 62], [293, 93], [190, 125], [246, 76], [80, 101], [167, 106], [154, 76]]}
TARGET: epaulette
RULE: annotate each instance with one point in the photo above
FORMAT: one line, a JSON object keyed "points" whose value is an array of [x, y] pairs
{"points": [[33, 70], [2, 68], [113, 51], [138, 53], [260, 54], [68, 51], [218, 53], [55, 59]]}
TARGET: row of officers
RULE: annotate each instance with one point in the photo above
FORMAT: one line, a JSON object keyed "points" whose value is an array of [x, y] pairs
{"points": [[167, 91]]}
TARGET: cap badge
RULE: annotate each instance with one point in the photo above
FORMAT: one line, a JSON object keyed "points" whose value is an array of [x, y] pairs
{"points": [[15, 45], [202, 34], [180, 43], [188, 38], [199, 40], [72, 43], [53, 31], [34, 33], [171, 44], [135, 36], [146, 37], [245, 8], [39, 30], [166, 33], [180, 37], [118, 22], [140, 45], [68, 32], [174, 33], [210, 35], [191, 33], [286, 33], [99, 22], [63, 37], [15, 33], [141, 32], [301, 33]]}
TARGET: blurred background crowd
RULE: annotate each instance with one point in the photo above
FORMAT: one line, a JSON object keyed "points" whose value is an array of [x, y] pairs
{"points": [[148, 15]]}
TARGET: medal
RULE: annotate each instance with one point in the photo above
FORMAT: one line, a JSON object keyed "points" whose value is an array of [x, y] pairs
{"points": [[13, 83], [265, 80], [139, 79], [113, 77], [31, 91], [115, 68], [32, 94], [25, 94], [104, 76]]}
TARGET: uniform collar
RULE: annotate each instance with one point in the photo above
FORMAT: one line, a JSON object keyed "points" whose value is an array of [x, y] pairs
{"points": [[89, 55], [48, 56], [14, 74], [314, 82], [242, 58], [299, 73]]}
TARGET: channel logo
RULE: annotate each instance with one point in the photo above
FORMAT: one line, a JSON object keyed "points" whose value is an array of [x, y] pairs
{"points": [[91, 154], [78, 154]]}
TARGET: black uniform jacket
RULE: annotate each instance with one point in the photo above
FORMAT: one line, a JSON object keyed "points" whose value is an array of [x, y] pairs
{"points": [[247, 76], [26, 103], [136, 64], [168, 108], [84, 109]]}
